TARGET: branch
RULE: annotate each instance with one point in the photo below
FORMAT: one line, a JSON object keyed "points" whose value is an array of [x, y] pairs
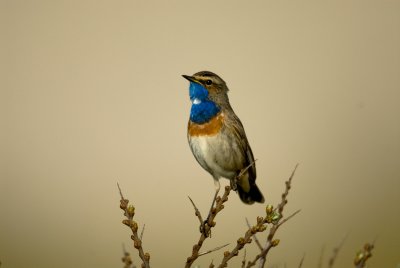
{"points": [[212, 250], [271, 217], [288, 185], [211, 264], [270, 242], [302, 260], [276, 223], [244, 259], [219, 205], [254, 236], [336, 252], [141, 233], [288, 218], [129, 212], [363, 255], [197, 211], [242, 241], [274, 217]]}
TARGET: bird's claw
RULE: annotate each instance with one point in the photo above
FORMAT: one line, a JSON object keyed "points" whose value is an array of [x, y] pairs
{"points": [[233, 184], [205, 228]]}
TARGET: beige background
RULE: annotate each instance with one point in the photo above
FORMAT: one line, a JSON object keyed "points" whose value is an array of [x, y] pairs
{"points": [[92, 94]]}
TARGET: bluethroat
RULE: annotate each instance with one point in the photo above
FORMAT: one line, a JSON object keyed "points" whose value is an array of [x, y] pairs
{"points": [[217, 137]]}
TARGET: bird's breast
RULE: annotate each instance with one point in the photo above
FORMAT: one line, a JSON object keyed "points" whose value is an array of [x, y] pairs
{"points": [[210, 128], [215, 148]]}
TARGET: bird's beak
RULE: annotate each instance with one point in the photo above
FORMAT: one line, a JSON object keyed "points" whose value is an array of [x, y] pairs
{"points": [[190, 78]]}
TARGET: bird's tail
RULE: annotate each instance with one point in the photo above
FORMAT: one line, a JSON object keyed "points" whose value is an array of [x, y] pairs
{"points": [[253, 195]]}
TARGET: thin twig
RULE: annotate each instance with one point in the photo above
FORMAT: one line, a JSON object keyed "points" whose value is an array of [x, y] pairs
{"points": [[288, 185], [241, 173], [288, 218], [129, 212], [254, 236], [219, 205], [141, 233], [335, 252], [212, 250], [302, 260], [244, 259], [363, 255], [197, 211], [211, 264]]}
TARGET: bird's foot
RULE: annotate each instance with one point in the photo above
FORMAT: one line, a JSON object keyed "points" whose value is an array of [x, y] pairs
{"points": [[205, 228], [233, 184]]}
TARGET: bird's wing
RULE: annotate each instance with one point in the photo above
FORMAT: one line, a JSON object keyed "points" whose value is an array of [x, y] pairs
{"points": [[240, 135]]}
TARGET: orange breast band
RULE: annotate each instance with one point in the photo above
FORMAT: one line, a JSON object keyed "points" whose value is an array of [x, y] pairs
{"points": [[210, 128]]}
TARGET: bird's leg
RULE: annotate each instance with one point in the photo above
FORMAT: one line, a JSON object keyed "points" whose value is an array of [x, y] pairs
{"points": [[217, 187], [206, 224], [234, 183]]}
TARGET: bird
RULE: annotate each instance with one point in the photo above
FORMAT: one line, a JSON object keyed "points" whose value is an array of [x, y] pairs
{"points": [[217, 138]]}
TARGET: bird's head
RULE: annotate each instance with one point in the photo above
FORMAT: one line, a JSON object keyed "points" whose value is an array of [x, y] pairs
{"points": [[207, 86]]}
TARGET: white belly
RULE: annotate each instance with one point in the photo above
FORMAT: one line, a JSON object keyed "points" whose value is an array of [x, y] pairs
{"points": [[220, 157]]}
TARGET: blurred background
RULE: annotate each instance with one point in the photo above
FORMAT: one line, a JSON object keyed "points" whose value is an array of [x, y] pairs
{"points": [[92, 94]]}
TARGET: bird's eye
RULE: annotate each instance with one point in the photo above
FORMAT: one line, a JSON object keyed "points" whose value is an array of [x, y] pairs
{"points": [[208, 82]]}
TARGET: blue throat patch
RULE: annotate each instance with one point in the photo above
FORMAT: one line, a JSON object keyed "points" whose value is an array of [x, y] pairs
{"points": [[205, 109]]}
